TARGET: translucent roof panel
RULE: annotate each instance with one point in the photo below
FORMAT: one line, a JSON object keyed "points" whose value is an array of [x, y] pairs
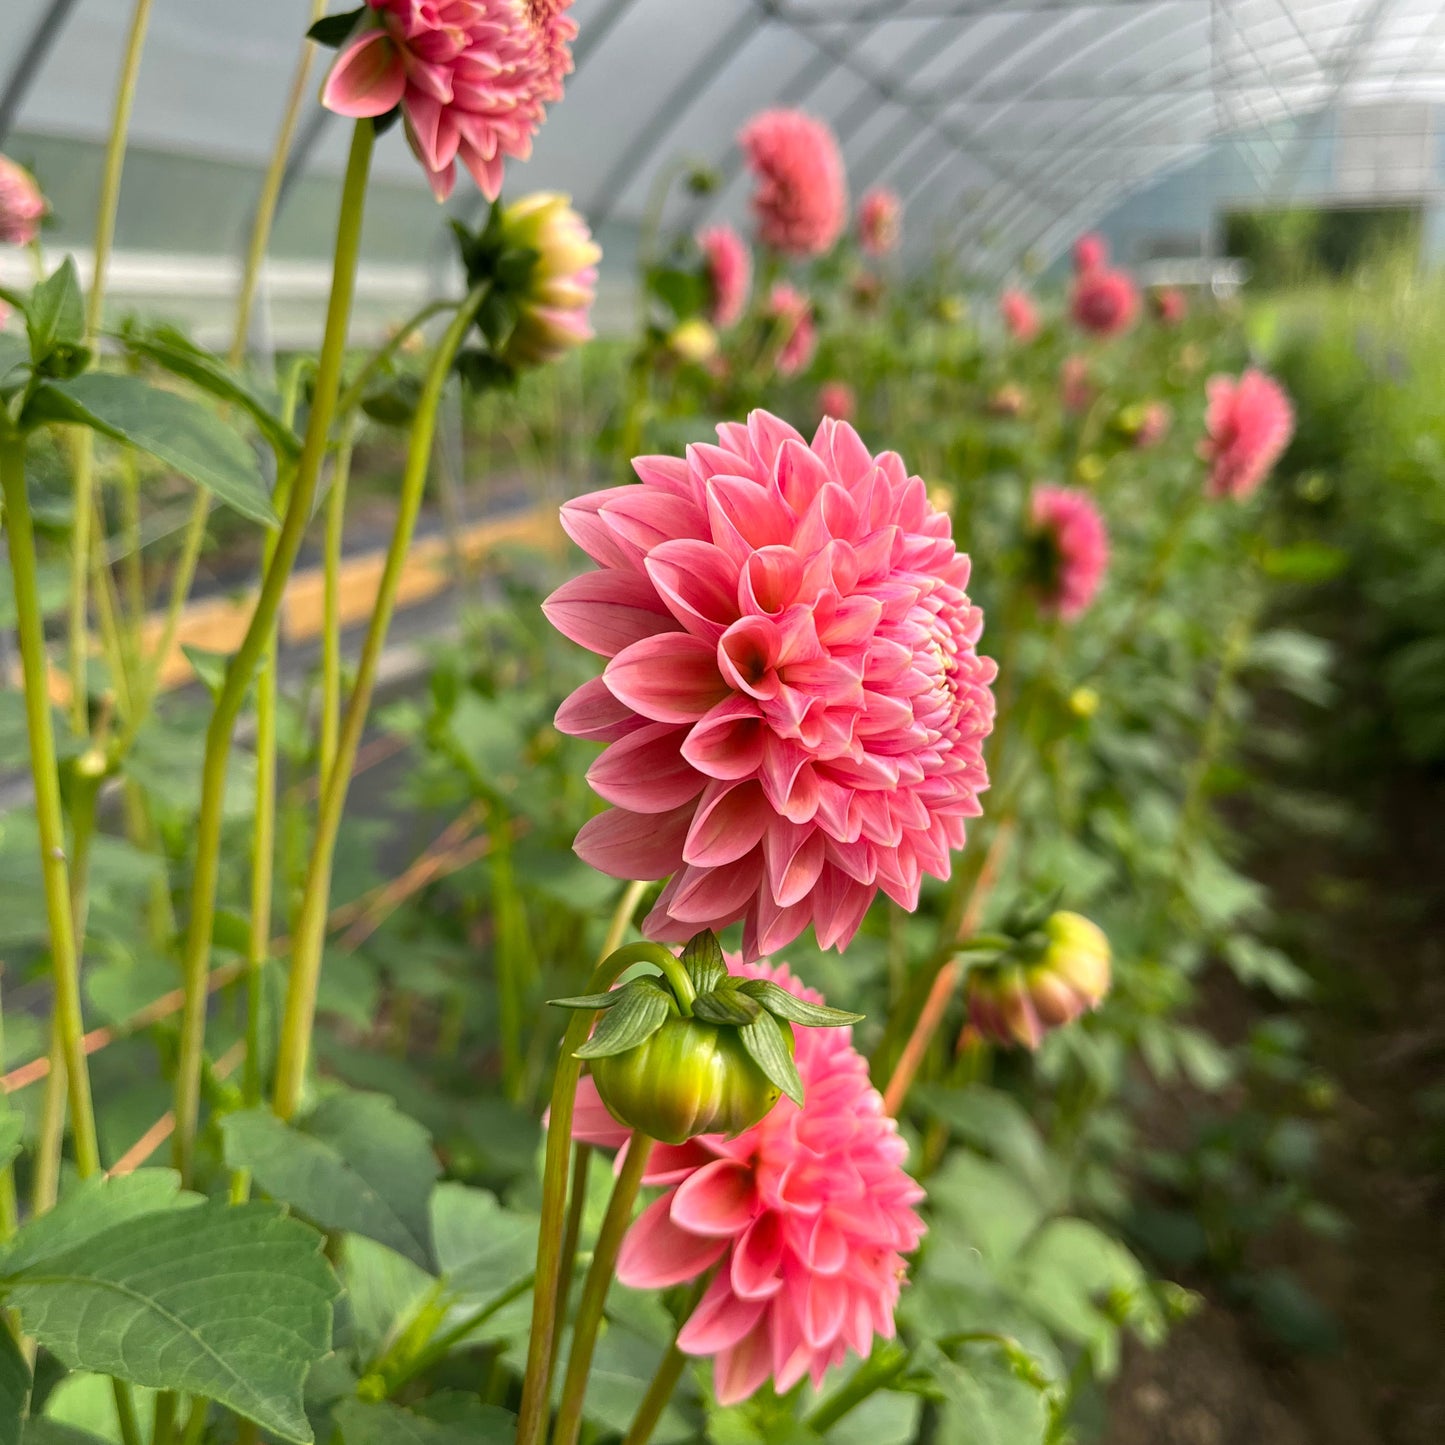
{"points": [[1004, 125]]}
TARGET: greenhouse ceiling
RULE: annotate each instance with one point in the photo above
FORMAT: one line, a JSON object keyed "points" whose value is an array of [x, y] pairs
{"points": [[1004, 126]]}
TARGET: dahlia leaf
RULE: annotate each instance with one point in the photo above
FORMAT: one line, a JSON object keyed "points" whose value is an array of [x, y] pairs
{"points": [[14, 1389], [590, 1000], [334, 30], [784, 1005], [702, 957], [727, 1007], [55, 315], [767, 1044], [641, 1010]]}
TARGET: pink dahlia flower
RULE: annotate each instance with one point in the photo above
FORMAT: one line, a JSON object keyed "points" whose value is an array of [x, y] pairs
{"points": [[799, 336], [1155, 419], [1076, 385], [1073, 548], [1104, 302], [794, 701], [473, 79], [880, 221], [837, 400], [1170, 305], [807, 1216], [22, 207], [1250, 423], [729, 268], [1020, 315], [1091, 253], [801, 198]]}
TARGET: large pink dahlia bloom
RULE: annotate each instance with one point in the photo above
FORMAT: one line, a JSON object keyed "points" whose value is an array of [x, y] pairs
{"points": [[1104, 302], [801, 196], [808, 1217], [880, 221], [798, 332], [1250, 423], [473, 79], [794, 701], [728, 264], [1074, 548], [22, 207]]}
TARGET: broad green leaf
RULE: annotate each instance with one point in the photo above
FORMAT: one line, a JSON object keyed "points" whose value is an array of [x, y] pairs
{"points": [[231, 1302], [986, 1206], [52, 1432], [14, 355], [987, 1403], [997, 1124], [784, 1005], [176, 353], [766, 1040], [55, 312], [209, 666], [14, 1388], [383, 1292], [727, 1007], [482, 1249], [355, 1163], [364, 1423], [180, 432], [641, 1011]]}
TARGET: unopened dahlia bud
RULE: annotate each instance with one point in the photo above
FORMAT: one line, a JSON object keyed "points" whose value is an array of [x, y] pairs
{"points": [[693, 340], [1046, 980], [22, 207], [556, 298]]}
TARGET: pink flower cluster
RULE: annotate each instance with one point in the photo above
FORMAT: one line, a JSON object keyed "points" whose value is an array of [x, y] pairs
{"points": [[801, 196], [807, 1218], [880, 221], [1020, 315], [1091, 253], [473, 79], [22, 207], [793, 313], [1250, 423], [1074, 546], [728, 266], [1104, 302], [794, 704]]}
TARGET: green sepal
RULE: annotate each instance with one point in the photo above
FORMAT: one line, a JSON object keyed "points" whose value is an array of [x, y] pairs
{"points": [[590, 1000], [335, 30], [703, 959], [641, 1009], [767, 1046], [55, 315], [726, 1007], [784, 1005]]}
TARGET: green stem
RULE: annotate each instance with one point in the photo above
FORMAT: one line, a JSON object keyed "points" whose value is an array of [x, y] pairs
{"points": [[594, 1291], [448, 1340], [9, 1208], [55, 871], [50, 1131], [659, 1395], [351, 397], [576, 1208], [197, 956], [310, 930], [331, 605], [125, 1414], [532, 1415], [84, 487], [676, 975], [877, 1372]]}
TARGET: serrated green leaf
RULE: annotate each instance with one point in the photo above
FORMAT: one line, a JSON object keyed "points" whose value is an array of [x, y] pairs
{"points": [[180, 432], [355, 1163], [702, 957], [364, 1423], [230, 1302], [784, 1005], [55, 313], [767, 1044], [642, 1010], [589, 1000], [177, 354], [727, 1007], [14, 1388]]}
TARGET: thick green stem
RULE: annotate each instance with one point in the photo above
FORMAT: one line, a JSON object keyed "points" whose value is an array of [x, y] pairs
{"points": [[659, 1395], [594, 1290], [84, 487], [197, 956], [331, 606], [576, 1208], [879, 1370], [50, 1132], [532, 1415], [55, 871], [310, 929]]}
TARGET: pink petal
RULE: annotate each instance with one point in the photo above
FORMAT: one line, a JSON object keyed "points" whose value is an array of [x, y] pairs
{"points": [[825, 1310], [698, 583], [731, 820], [607, 611], [645, 772], [795, 859], [718, 1199], [368, 78], [740, 1371], [671, 677], [657, 1254], [719, 1321], [728, 742], [634, 845], [592, 712], [707, 894], [755, 1271]]}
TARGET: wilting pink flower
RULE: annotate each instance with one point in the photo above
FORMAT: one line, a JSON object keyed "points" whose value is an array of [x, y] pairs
{"points": [[1091, 253], [22, 207], [836, 399], [1020, 315], [1072, 549], [807, 1217], [1104, 302], [1170, 305], [801, 196], [1250, 423], [880, 221], [793, 313], [473, 79], [1155, 418], [795, 704], [1076, 385], [728, 264]]}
